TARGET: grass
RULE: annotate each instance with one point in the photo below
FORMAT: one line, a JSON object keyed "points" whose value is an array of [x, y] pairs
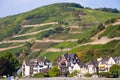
{"points": [[65, 44], [15, 50], [112, 31], [97, 16], [51, 55], [86, 34], [43, 45], [100, 47], [33, 29], [111, 49], [5, 45], [36, 36], [64, 15], [26, 30]]}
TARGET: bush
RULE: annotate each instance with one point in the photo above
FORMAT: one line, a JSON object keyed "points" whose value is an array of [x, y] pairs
{"points": [[38, 75], [110, 21], [105, 74], [88, 75], [1, 77], [74, 73], [101, 26], [114, 70], [54, 72]]}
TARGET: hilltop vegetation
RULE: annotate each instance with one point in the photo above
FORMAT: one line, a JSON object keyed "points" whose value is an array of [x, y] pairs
{"points": [[73, 22], [108, 10]]}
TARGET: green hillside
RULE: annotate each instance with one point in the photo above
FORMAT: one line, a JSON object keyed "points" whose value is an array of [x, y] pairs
{"points": [[38, 30], [112, 31]]}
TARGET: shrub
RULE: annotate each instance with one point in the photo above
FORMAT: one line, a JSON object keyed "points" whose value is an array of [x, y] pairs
{"points": [[54, 72], [105, 74], [88, 75], [74, 73], [101, 26], [38, 75], [114, 70]]}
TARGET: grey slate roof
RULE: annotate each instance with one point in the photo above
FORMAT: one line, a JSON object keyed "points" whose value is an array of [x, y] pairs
{"points": [[104, 60], [30, 62]]}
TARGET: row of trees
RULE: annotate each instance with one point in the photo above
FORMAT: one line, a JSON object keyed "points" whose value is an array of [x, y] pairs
{"points": [[108, 10]]}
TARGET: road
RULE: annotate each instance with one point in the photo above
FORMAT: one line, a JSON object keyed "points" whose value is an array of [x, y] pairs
{"points": [[70, 78]]}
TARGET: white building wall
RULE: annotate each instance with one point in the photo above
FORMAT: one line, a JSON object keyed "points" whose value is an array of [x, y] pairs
{"points": [[110, 62], [91, 69], [27, 70], [74, 67], [83, 70]]}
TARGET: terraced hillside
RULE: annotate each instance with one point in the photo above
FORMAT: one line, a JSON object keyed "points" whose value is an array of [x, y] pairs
{"points": [[52, 30]]}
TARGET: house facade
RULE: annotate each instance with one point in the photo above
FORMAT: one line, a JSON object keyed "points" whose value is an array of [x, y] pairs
{"points": [[83, 68], [104, 64], [33, 66], [92, 67], [68, 63]]}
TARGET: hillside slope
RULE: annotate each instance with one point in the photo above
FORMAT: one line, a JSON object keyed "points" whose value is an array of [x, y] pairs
{"points": [[59, 28]]}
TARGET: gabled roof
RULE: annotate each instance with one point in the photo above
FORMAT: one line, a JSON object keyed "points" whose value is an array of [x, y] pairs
{"points": [[104, 60], [83, 64], [116, 58], [30, 62], [94, 63], [70, 56]]}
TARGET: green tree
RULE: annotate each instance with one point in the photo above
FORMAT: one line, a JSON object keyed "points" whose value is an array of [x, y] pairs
{"points": [[54, 72], [114, 70], [8, 64], [101, 26]]}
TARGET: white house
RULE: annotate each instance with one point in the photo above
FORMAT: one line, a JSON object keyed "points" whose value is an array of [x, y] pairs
{"points": [[74, 67], [104, 64], [83, 68], [25, 69], [33, 66], [111, 61], [92, 67], [68, 63]]}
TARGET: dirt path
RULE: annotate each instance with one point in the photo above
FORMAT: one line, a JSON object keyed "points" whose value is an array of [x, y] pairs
{"points": [[45, 40], [117, 22], [97, 35], [95, 39], [28, 40], [103, 40], [39, 25], [76, 27], [32, 33], [58, 50], [16, 41]]}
